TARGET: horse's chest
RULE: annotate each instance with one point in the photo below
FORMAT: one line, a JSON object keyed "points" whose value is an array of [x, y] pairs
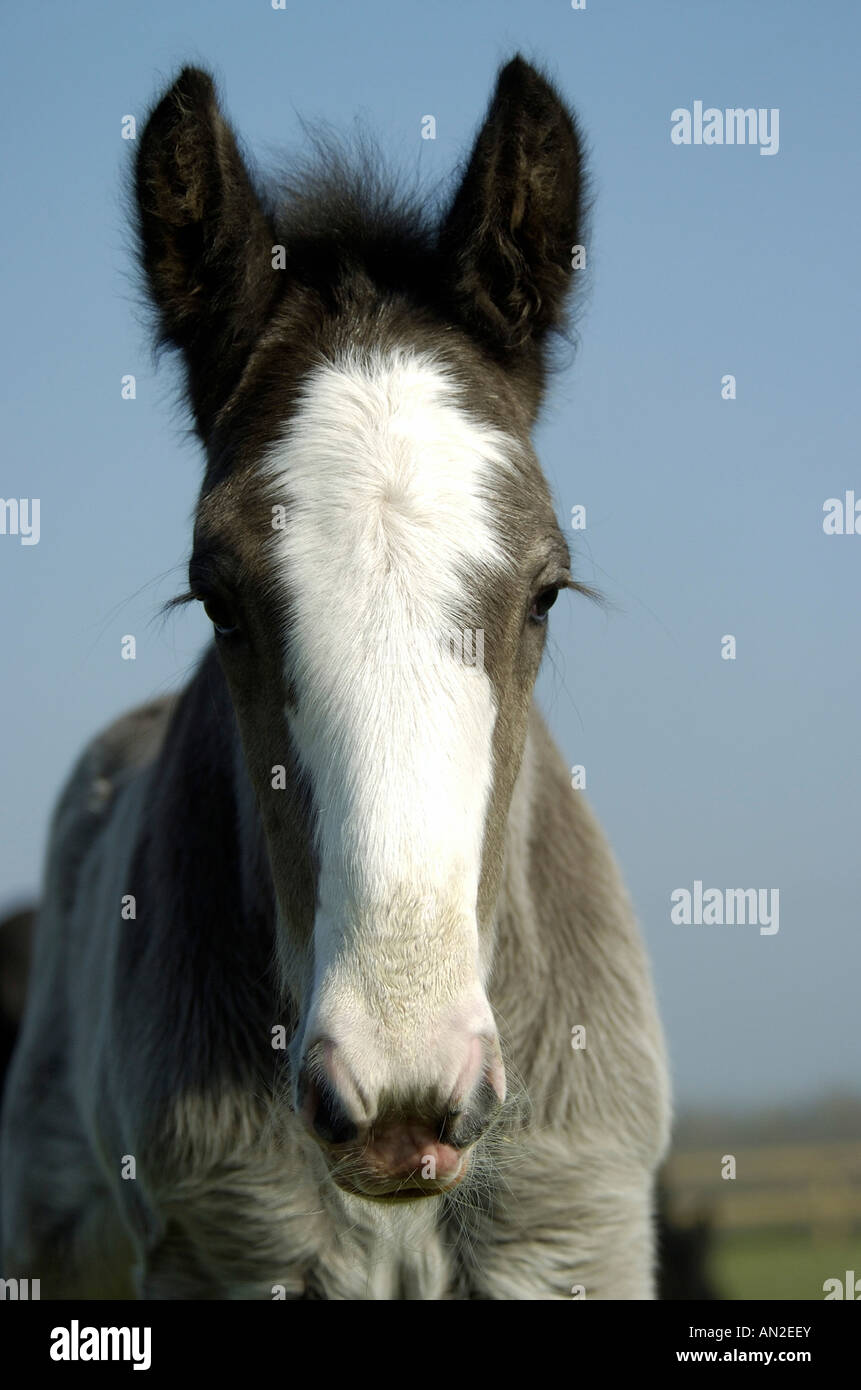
{"points": [[378, 1254], [279, 1233]]}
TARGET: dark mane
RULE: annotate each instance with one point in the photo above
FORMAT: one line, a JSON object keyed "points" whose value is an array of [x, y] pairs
{"points": [[340, 212], [346, 218], [356, 235]]}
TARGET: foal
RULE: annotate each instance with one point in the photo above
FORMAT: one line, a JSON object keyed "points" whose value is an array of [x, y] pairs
{"points": [[316, 933]]}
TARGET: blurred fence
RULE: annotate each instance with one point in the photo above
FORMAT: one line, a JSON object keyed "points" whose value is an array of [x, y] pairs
{"points": [[811, 1187]]}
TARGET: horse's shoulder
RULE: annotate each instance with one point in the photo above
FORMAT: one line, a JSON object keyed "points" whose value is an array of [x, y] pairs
{"points": [[122, 748], [107, 763]]}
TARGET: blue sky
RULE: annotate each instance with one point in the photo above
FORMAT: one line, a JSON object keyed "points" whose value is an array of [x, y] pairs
{"points": [[704, 516]]}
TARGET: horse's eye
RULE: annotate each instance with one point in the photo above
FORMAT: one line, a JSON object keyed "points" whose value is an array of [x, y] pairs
{"points": [[542, 603], [220, 616]]}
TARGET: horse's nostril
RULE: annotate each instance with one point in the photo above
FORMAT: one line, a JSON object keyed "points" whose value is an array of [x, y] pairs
{"points": [[329, 1120], [464, 1127]]}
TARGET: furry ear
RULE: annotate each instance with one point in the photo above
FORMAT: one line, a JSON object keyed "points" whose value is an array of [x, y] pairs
{"points": [[205, 240], [507, 239]]}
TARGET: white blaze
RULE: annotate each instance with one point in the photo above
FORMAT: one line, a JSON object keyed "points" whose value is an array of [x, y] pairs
{"points": [[386, 480]]}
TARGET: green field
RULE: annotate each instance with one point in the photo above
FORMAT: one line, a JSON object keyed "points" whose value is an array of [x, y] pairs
{"points": [[770, 1264]]}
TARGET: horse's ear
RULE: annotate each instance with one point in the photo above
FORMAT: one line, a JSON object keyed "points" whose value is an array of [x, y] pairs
{"points": [[508, 239], [205, 240]]}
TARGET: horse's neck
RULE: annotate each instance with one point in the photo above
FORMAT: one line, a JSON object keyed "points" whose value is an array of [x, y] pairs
{"points": [[515, 905], [201, 800], [540, 866]]}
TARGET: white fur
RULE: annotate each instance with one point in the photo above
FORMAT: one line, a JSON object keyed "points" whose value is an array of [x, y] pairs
{"points": [[386, 480]]}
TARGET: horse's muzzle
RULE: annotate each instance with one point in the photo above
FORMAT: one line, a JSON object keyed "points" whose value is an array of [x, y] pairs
{"points": [[410, 1150]]}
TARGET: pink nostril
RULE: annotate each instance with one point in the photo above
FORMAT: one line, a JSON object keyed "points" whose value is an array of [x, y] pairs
{"points": [[329, 1102], [496, 1073], [483, 1060], [324, 1113], [469, 1072]]}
